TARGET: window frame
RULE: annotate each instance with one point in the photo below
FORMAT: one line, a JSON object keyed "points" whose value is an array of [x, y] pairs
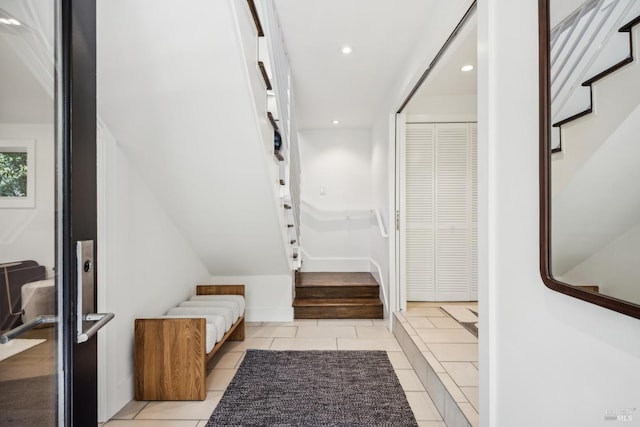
{"points": [[21, 146]]}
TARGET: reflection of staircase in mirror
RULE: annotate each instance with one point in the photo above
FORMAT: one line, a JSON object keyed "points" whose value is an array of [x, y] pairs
{"points": [[595, 191], [588, 45], [595, 172], [615, 94]]}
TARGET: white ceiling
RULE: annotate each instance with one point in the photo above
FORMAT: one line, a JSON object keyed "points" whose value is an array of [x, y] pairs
{"points": [[330, 85], [446, 78]]}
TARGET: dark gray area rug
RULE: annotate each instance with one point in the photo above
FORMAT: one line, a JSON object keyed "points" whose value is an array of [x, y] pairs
{"points": [[314, 388]]}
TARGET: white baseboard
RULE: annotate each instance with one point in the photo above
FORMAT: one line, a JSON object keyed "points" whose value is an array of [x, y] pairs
{"points": [[269, 314]]}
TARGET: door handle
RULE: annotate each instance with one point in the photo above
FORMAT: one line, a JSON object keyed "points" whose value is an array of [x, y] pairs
{"points": [[101, 319], [16, 332], [85, 304]]}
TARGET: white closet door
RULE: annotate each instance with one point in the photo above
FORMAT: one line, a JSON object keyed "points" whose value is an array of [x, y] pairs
{"points": [[417, 230], [453, 211], [439, 205]]}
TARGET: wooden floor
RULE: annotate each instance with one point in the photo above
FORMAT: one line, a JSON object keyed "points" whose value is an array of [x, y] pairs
{"points": [[28, 383], [337, 296]]}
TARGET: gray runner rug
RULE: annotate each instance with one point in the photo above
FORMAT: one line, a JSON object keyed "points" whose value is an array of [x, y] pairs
{"points": [[314, 388]]}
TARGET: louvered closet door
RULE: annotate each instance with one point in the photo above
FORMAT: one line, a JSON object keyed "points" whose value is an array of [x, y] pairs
{"points": [[453, 212], [473, 130], [438, 231], [417, 229]]}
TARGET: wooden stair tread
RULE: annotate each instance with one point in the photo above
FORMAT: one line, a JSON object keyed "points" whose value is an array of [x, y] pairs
{"points": [[335, 285], [335, 279], [336, 302]]}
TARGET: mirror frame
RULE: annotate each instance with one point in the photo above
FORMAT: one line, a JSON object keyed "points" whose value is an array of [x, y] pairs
{"points": [[615, 304]]}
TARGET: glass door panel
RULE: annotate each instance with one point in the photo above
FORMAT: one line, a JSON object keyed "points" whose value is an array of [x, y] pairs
{"points": [[29, 356]]}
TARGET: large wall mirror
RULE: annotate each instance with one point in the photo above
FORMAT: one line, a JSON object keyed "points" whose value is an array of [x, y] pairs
{"points": [[590, 151]]}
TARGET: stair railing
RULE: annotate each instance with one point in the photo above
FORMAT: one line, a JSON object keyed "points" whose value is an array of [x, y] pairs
{"points": [[284, 96], [576, 44]]}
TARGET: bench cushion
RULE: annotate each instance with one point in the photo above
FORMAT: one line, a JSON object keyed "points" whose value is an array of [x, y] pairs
{"points": [[225, 312], [215, 303], [239, 299]]}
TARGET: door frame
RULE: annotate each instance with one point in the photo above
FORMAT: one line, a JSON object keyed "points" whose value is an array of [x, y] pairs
{"points": [[76, 211], [401, 268]]}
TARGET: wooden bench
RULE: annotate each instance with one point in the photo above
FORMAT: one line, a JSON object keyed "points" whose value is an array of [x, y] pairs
{"points": [[170, 353]]}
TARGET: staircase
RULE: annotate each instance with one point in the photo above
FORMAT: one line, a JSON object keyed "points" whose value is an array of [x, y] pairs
{"points": [[337, 296], [587, 46]]}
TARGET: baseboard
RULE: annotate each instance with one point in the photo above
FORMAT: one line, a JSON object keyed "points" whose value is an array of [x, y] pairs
{"points": [[268, 314], [122, 396]]}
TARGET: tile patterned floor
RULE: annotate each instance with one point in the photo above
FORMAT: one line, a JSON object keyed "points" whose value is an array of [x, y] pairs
{"points": [[297, 335], [444, 355]]}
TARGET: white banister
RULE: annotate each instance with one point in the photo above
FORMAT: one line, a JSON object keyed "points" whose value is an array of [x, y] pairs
{"points": [[383, 232]]}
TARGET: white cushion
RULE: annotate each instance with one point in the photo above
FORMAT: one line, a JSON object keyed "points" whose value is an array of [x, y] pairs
{"points": [[215, 303], [210, 330], [239, 299], [226, 312], [38, 298]]}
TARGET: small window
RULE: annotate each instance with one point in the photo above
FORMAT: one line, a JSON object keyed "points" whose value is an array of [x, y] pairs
{"points": [[17, 174]]}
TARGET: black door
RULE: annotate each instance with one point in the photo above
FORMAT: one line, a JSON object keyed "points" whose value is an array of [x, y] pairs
{"points": [[48, 347], [79, 204]]}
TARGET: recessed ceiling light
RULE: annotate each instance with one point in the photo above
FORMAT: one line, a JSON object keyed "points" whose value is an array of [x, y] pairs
{"points": [[347, 49], [10, 21], [466, 67], [335, 122]]}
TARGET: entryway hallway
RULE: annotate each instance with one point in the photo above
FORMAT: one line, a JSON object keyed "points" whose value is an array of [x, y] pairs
{"points": [[302, 334]]}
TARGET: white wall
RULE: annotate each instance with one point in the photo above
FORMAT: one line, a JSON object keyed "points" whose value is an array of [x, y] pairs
{"points": [[383, 186], [145, 267], [268, 298], [29, 233], [614, 268], [444, 104], [546, 359], [437, 28], [335, 227]]}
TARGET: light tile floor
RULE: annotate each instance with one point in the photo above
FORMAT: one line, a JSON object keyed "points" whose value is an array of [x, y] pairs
{"points": [[451, 350], [296, 335]]}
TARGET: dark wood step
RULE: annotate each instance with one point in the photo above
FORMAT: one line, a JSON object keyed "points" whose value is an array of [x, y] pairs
{"points": [[334, 279], [335, 302], [339, 291], [332, 295], [338, 308]]}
